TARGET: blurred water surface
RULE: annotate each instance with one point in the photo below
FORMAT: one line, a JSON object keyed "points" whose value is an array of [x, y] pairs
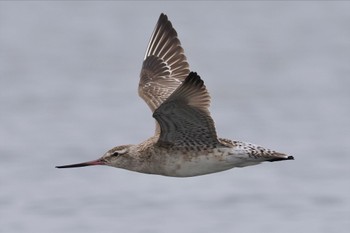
{"points": [[278, 74]]}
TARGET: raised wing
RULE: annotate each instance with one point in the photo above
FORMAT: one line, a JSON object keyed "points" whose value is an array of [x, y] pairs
{"points": [[164, 67], [184, 117]]}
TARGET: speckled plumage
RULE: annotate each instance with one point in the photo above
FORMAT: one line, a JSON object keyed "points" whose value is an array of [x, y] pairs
{"points": [[185, 141]]}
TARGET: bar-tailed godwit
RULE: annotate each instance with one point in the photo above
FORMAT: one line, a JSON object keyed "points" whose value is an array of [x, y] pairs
{"points": [[185, 142]]}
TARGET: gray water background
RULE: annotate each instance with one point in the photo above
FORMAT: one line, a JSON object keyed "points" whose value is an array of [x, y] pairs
{"points": [[278, 74]]}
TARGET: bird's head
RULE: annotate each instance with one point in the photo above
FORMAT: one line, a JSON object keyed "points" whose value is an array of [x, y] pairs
{"points": [[116, 157]]}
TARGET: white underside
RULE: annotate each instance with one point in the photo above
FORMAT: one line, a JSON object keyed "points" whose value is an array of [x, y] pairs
{"points": [[222, 159]]}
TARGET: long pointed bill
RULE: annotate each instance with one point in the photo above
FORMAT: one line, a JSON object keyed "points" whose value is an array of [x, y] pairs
{"points": [[90, 163]]}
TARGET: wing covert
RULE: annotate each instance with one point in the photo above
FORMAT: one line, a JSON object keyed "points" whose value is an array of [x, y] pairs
{"points": [[184, 117]]}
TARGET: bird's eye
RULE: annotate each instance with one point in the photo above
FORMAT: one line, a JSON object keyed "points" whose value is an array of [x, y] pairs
{"points": [[115, 154]]}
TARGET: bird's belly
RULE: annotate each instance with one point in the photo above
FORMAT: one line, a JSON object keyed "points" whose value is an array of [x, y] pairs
{"points": [[195, 164]]}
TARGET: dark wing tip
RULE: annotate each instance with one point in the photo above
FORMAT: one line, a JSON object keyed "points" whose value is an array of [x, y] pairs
{"points": [[194, 79], [163, 19]]}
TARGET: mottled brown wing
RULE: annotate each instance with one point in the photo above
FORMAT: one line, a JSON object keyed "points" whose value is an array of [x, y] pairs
{"points": [[164, 67], [184, 117]]}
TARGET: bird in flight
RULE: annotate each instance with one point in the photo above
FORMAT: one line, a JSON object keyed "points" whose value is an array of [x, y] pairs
{"points": [[185, 142]]}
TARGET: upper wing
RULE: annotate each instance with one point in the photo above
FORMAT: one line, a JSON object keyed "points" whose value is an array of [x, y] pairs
{"points": [[184, 117], [164, 67]]}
